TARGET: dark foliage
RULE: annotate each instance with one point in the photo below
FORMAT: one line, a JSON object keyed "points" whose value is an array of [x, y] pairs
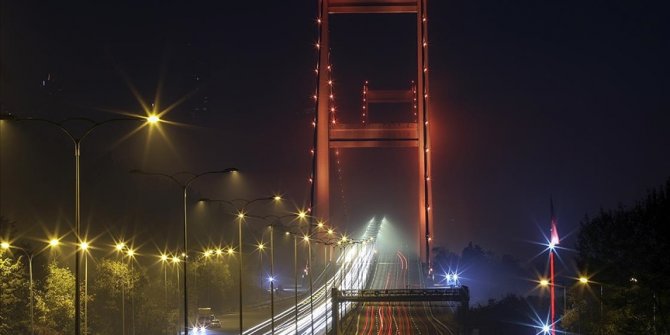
{"points": [[626, 251], [510, 315]]}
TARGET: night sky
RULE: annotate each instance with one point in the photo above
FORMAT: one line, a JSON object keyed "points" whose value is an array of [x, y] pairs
{"points": [[530, 100]]}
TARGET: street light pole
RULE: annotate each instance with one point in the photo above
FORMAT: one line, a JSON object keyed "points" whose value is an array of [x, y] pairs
{"points": [[120, 247], [184, 191], [553, 298], [164, 259], [32, 296], [601, 309], [240, 274], [311, 289], [84, 247], [295, 274], [176, 260], [586, 281], [184, 187], [272, 280], [76, 140], [271, 226]]}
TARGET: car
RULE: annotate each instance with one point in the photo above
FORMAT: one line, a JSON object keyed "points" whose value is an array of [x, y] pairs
{"points": [[208, 321], [196, 329], [200, 329], [215, 323]]}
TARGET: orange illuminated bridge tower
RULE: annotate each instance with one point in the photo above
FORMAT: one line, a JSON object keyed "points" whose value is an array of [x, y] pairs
{"points": [[375, 135]]}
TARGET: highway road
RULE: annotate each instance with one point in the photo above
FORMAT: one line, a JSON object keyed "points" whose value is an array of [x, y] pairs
{"points": [[358, 266], [350, 271], [393, 270]]}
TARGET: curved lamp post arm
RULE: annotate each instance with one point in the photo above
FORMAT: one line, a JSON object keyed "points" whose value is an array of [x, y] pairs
{"points": [[188, 182], [158, 174], [233, 202], [61, 124]]}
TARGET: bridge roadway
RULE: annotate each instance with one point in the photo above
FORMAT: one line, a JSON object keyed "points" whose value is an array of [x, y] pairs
{"points": [[359, 267], [396, 271], [350, 271]]}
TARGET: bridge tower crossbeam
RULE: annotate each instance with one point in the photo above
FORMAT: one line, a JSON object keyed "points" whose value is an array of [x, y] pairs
{"points": [[415, 134]]}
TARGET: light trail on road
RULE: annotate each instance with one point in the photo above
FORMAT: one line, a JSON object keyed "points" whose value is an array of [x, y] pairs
{"points": [[393, 271], [362, 266], [355, 262]]}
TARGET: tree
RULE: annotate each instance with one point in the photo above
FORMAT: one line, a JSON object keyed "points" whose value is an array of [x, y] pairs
{"points": [[56, 301], [212, 281], [111, 290], [626, 249], [14, 318], [510, 315]]}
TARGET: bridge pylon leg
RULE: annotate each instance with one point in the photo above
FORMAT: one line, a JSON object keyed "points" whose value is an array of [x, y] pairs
{"points": [[336, 311]]}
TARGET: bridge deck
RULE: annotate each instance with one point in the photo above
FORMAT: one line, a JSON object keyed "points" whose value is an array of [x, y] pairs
{"points": [[455, 294]]}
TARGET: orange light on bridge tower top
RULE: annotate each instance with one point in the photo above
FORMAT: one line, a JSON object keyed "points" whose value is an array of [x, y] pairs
{"points": [[375, 135]]}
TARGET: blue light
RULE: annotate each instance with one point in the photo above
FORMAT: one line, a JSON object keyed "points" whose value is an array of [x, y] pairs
{"points": [[452, 278], [546, 329]]}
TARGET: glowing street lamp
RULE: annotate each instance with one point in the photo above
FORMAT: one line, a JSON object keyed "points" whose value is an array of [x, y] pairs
{"points": [[207, 253], [153, 119], [546, 329]]}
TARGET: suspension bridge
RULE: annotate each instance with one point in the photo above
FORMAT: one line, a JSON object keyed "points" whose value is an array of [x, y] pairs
{"points": [[373, 288]]}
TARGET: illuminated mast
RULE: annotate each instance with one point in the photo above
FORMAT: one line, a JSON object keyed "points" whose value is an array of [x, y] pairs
{"points": [[552, 245]]}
